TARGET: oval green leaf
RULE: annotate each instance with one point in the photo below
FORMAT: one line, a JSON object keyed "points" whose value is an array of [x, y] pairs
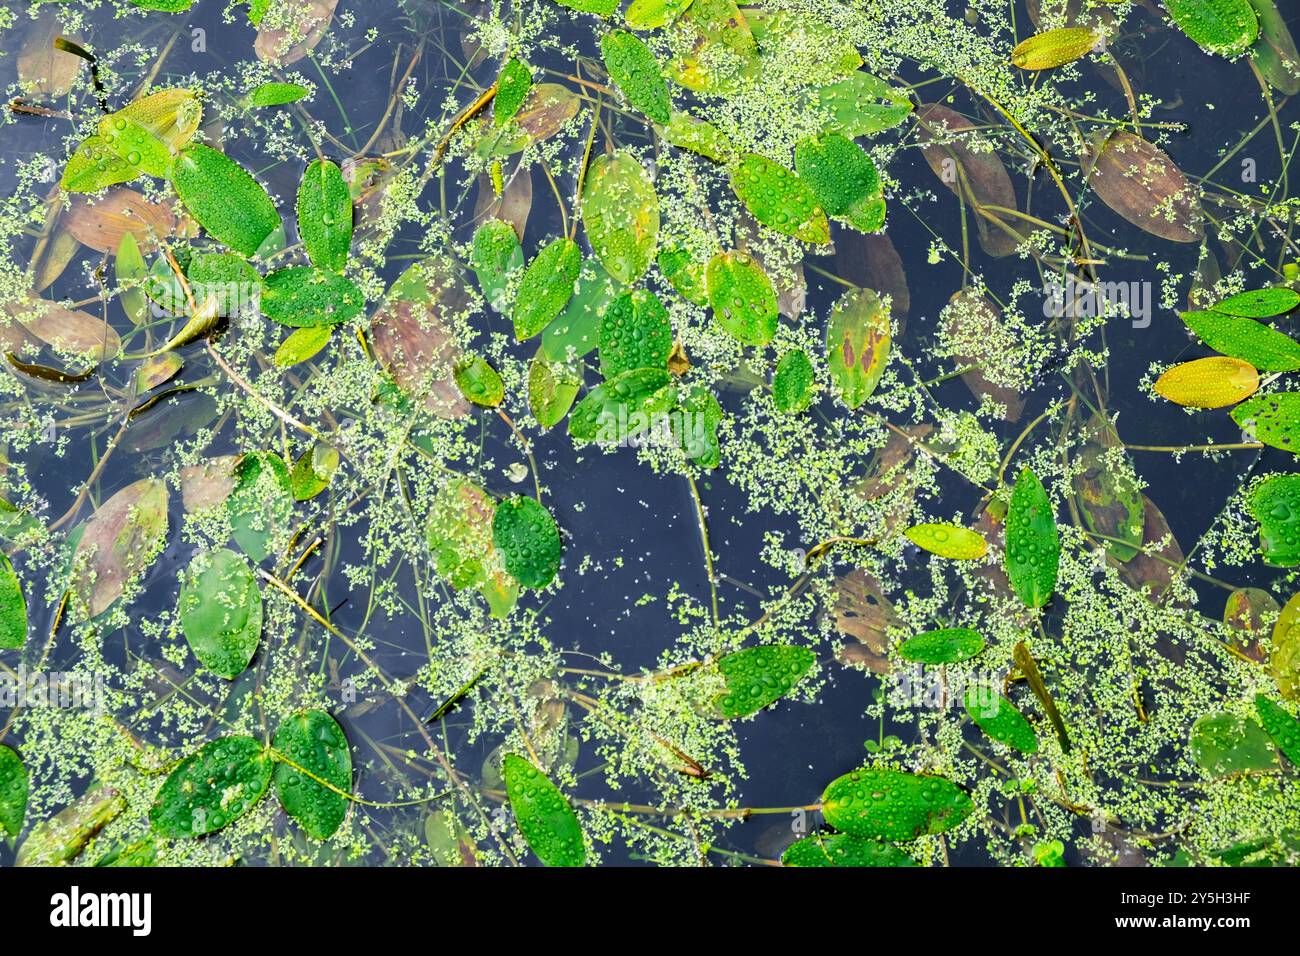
{"points": [[314, 741], [545, 818], [224, 198], [893, 805], [211, 788], [947, 645], [220, 609], [759, 676], [1033, 544], [529, 541]]}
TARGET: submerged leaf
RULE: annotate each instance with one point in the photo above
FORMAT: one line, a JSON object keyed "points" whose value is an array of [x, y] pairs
{"points": [[1284, 662], [1140, 182], [119, 541]]}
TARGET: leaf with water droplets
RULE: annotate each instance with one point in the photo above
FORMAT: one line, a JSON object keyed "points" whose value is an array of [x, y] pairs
{"points": [[136, 145], [858, 343], [636, 73], [1273, 419], [623, 406], [529, 541], [1275, 503], [620, 212], [948, 541], [634, 333], [843, 850], [1209, 382], [862, 105], [1259, 303], [1284, 662], [1225, 744], [1220, 26], [13, 791], [512, 89], [894, 806], [1033, 544], [211, 788], [302, 344], [759, 676], [313, 471], [314, 741], [547, 287], [1281, 726], [794, 382], [224, 198], [999, 718], [325, 215], [220, 609], [948, 645], [303, 296], [843, 178], [13, 607], [652, 14], [552, 389], [275, 94], [479, 382], [1053, 48], [698, 136], [545, 818], [494, 256], [779, 199], [1263, 347], [742, 297]]}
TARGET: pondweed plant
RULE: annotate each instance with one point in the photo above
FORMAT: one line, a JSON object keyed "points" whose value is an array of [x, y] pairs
{"points": [[476, 434]]}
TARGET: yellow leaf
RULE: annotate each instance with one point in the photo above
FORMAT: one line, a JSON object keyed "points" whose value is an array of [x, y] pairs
{"points": [[1053, 48], [1209, 382], [949, 541]]}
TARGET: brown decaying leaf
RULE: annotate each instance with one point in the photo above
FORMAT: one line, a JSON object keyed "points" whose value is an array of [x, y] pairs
{"points": [[1252, 612], [978, 175], [412, 343], [1148, 570], [548, 107], [67, 330], [312, 23], [977, 312], [872, 262], [118, 542], [101, 223], [513, 205], [43, 70], [863, 612], [1140, 182], [209, 484]]}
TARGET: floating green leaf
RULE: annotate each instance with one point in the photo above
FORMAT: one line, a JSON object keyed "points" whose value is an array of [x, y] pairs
{"points": [[652, 14], [495, 254], [1284, 662], [1033, 544], [546, 287], [695, 421], [275, 94], [479, 382], [949, 541], [220, 609], [1225, 744], [698, 136], [211, 788], [1259, 303], [13, 606], [525, 534], [314, 741], [602, 8], [894, 806], [313, 470], [13, 791], [325, 215], [302, 344], [512, 89], [135, 144], [552, 389], [793, 383], [1265, 348], [684, 274], [621, 214], [1281, 726], [779, 199], [303, 296], [1220, 26], [759, 676], [843, 849], [998, 717], [843, 178], [857, 345], [635, 333], [623, 406], [862, 105], [224, 198], [545, 818], [93, 166], [742, 298], [1273, 419], [948, 645], [635, 71]]}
